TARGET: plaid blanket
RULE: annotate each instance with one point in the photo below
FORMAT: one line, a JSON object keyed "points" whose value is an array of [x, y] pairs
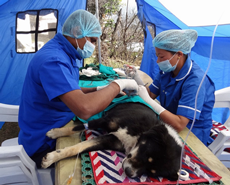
{"points": [[107, 168], [216, 128]]}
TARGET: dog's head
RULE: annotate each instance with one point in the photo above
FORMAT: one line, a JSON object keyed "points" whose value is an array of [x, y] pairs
{"points": [[156, 154]]}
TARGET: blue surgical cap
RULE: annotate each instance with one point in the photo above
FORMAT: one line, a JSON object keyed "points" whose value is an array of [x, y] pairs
{"points": [[81, 23], [176, 40]]}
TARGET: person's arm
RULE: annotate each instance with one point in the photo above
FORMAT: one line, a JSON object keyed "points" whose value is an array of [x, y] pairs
{"points": [[152, 95], [88, 90], [176, 121], [85, 105], [92, 89]]}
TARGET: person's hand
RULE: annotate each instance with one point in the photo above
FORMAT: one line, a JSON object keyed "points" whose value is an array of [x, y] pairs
{"points": [[143, 93], [131, 72], [127, 84]]}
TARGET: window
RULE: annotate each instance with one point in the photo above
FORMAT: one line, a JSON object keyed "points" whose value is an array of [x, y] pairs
{"points": [[34, 28], [152, 29]]}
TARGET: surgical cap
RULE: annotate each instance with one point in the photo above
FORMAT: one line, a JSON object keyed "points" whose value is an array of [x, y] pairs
{"points": [[176, 40], [81, 23]]}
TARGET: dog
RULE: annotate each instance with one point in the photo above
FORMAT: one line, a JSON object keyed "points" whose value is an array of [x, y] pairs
{"points": [[152, 147]]}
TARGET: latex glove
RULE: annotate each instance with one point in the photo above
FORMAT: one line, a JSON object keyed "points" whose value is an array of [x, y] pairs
{"points": [[127, 84], [143, 93], [131, 72], [101, 87]]}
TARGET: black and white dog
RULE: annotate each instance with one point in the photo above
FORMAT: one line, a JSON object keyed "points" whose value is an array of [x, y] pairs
{"points": [[151, 146]]}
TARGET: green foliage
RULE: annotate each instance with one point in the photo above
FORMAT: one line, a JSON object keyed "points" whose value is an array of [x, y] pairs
{"points": [[109, 23], [111, 6]]}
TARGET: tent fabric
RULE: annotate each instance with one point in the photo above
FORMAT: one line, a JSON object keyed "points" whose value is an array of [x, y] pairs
{"points": [[13, 65], [154, 12], [2, 2]]}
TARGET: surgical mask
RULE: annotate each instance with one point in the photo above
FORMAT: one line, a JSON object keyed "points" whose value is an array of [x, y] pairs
{"points": [[87, 51], [166, 65]]}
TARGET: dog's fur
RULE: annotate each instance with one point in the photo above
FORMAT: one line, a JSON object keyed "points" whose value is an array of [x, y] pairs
{"points": [[151, 146]]}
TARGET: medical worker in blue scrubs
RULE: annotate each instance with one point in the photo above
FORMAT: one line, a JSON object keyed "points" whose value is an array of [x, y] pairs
{"points": [[51, 95], [177, 84]]}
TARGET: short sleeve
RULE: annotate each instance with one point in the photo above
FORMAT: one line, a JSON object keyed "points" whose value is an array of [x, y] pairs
{"points": [[155, 86], [58, 78], [186, 105]]}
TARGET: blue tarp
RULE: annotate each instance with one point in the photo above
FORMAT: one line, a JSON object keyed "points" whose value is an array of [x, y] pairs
{"points": [[13, 65], [153, 12]]}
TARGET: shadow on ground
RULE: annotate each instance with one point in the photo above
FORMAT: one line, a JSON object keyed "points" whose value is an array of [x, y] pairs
{"points": [[8, 131]]}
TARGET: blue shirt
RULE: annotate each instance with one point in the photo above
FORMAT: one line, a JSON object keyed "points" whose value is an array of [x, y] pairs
{"points": [[52, 72], [177, 95]]}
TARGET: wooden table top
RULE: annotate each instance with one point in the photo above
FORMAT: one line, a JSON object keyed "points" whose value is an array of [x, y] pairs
{"points": [[65, 167], [206, 156]]}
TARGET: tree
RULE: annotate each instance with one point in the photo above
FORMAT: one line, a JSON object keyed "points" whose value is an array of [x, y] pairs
{"points": [[122, 35]]}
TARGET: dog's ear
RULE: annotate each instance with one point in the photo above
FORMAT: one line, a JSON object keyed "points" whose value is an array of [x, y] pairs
{"points": [[158, 133]]}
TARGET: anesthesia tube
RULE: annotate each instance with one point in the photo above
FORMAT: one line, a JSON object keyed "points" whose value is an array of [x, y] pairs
{"points": [[198, 90], [99, 41]]}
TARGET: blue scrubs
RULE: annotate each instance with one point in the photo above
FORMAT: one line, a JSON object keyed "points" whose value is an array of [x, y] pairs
{"points": [[177, 95], [52, 72]]}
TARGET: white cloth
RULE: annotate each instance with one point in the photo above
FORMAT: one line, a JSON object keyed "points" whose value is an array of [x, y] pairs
{"points": [[119, 72], [89, 72]]}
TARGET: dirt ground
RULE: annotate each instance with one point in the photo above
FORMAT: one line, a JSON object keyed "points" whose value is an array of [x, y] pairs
{"points": [[8, 131]]}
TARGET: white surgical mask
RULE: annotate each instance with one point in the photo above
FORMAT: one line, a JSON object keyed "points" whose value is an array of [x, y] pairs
{"points": [[87, 51], [166, 65]]}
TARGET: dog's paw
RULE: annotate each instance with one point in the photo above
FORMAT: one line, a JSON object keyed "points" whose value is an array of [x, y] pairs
{"points": [[54, 133], [48, 159]]}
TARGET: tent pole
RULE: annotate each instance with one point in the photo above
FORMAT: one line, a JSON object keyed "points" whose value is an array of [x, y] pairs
{"points": [[99, 40]]}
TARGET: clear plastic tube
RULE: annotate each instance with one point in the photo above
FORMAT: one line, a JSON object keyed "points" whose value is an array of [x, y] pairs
{"points": [[99, 40], [197, 93]]}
